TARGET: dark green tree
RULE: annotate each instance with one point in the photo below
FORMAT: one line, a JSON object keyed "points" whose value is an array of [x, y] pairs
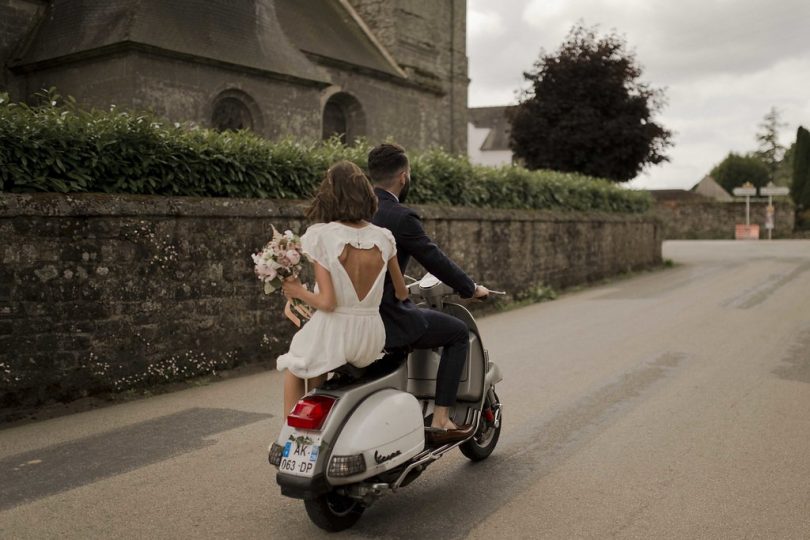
{"points": [[800, 190], [738, 169], [587, 111], [784, 172], [770, 150]]}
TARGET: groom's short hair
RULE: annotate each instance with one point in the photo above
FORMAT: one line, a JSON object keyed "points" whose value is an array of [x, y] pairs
{"points": [[385, 161]]}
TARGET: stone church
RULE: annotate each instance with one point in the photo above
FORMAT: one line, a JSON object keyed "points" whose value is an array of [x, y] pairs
{"points": [[301, 68]]}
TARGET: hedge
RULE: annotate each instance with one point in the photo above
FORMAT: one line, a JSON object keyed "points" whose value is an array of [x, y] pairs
{"points": [[58, 147]]}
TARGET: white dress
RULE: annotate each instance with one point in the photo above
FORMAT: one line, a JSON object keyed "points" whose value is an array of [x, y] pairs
{"points": [[354, 331]]}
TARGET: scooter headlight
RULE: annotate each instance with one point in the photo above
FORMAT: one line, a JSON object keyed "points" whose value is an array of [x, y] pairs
{"points": [[275, 454], [346, 465]]}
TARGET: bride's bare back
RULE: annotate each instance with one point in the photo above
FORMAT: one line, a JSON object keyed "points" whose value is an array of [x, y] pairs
{"points": [[362, 266]]}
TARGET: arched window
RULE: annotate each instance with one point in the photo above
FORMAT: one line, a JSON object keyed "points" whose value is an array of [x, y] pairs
{"points": [[231, 114], [334, 121], [234, 110], [343, 116]]}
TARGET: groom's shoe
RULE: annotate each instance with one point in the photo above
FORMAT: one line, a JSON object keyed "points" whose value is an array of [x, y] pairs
{"points": [[440, 437]]}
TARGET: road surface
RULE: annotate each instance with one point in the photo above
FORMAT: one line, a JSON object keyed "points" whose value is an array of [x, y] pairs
{"points": [[675, 404]]}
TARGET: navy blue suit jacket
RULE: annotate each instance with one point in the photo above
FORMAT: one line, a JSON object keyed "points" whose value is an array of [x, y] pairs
{"points": [[404, 322]]}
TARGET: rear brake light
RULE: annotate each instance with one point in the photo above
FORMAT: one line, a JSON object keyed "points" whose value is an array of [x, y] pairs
{"points": [[310, 412]]}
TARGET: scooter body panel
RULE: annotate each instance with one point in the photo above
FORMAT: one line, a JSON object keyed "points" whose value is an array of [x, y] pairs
{"points": [[387, 429]]}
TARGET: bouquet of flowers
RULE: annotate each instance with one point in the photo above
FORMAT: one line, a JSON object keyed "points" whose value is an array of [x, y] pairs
{"points": [[280, 259]]}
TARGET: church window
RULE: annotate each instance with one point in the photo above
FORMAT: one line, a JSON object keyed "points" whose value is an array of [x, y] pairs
{"points": [[231, 114], [343, 116]]}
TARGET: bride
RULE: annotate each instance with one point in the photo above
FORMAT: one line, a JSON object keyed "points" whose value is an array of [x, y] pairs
{"points": [[350, 257]]}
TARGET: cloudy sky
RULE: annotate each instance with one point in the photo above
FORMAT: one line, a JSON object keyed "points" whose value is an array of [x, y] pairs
{"points": [[723, 63]]}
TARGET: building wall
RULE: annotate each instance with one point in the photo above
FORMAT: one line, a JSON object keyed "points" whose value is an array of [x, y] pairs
{"points": [[188, 91], [494, 158], [100, 293], [412, 117], [17, 19], [427, 110], [428, 39]]}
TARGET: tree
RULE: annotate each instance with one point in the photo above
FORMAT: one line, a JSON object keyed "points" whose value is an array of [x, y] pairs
{"points": [[587, 111], [738, 169], [784, 171], [770, 150], [800, 190]]}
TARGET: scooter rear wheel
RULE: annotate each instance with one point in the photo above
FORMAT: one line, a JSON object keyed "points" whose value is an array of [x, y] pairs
{"points": [[483, 442], [334, 512]]}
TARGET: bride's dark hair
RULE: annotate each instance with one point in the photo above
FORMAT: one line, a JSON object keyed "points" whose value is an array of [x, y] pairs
{"points": [[344, 195]]}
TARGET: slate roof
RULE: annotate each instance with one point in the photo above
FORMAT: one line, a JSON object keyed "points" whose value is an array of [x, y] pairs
{"points": [[710, 188], [496, 119], [325, 28], [241, 32]]}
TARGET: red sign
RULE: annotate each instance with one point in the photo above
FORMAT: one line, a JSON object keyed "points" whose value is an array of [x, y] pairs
{"points": [[746, 232]]}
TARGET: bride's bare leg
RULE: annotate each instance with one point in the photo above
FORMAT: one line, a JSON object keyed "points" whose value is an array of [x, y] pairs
{"points": [[294, 389], [316, 382], [441, 418]]}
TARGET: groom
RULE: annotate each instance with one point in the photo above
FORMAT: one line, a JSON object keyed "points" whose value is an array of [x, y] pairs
{"points": [[406, 324]]}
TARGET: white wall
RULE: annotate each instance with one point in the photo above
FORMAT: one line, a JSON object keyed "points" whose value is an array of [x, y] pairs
{"points": [[475, 138]]}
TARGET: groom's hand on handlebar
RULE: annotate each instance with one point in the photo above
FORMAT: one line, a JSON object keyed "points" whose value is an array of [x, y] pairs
{"points": [[481, 292]]}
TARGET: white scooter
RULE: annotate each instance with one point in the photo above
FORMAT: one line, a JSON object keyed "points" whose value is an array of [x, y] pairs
{"points": [[362, 433]]}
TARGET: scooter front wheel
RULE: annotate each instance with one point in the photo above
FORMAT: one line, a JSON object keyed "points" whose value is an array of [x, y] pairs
{"points": [[334, 512], [483, 442]]}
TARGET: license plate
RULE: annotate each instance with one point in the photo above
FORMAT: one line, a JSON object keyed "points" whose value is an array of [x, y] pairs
{"points": [[300, 455]]}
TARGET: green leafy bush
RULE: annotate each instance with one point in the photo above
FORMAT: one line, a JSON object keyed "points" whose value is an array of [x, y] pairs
{"points": [[58, 147]]}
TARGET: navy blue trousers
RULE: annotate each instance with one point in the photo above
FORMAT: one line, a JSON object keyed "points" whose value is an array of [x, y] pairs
{"points": [[453, 335]]}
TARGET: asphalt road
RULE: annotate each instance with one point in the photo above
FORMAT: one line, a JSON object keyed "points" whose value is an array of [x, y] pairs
{"points": [[675, 404]]}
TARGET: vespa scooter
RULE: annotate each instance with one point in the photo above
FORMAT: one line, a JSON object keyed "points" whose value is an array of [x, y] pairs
{"points": [[362, 433]]}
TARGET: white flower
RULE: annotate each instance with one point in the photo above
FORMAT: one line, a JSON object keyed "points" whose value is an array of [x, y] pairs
{"points": [[293, 256]]}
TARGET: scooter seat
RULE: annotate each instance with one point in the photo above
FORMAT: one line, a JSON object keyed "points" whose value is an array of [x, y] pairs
{"points": [[347, 374]]}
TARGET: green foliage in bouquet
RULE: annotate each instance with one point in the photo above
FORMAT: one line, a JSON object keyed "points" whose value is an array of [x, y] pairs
{"points": [[58, 147]]}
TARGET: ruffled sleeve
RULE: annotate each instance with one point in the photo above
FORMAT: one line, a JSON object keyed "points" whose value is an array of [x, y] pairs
{"points": [[389, 244], [312, 244]]}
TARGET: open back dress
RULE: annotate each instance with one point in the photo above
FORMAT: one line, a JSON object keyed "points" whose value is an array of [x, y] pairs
{"points": [[354, 331]]}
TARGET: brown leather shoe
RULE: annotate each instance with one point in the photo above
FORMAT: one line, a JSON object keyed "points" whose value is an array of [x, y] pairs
{"points": [[440, 437]]}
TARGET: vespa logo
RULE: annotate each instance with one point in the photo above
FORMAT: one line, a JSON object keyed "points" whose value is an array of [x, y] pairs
{"points": [[382, 459]]}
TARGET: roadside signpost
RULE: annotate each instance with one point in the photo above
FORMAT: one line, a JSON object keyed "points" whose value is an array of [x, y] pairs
{"points": [[771, 190], [747, 231]]}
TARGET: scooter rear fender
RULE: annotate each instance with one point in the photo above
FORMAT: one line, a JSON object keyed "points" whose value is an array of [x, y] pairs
{"points": [[346, 400]]}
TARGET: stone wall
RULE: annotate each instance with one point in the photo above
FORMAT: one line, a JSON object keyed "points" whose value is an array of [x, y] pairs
{"points": [[101, 293], [689, 219]]}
